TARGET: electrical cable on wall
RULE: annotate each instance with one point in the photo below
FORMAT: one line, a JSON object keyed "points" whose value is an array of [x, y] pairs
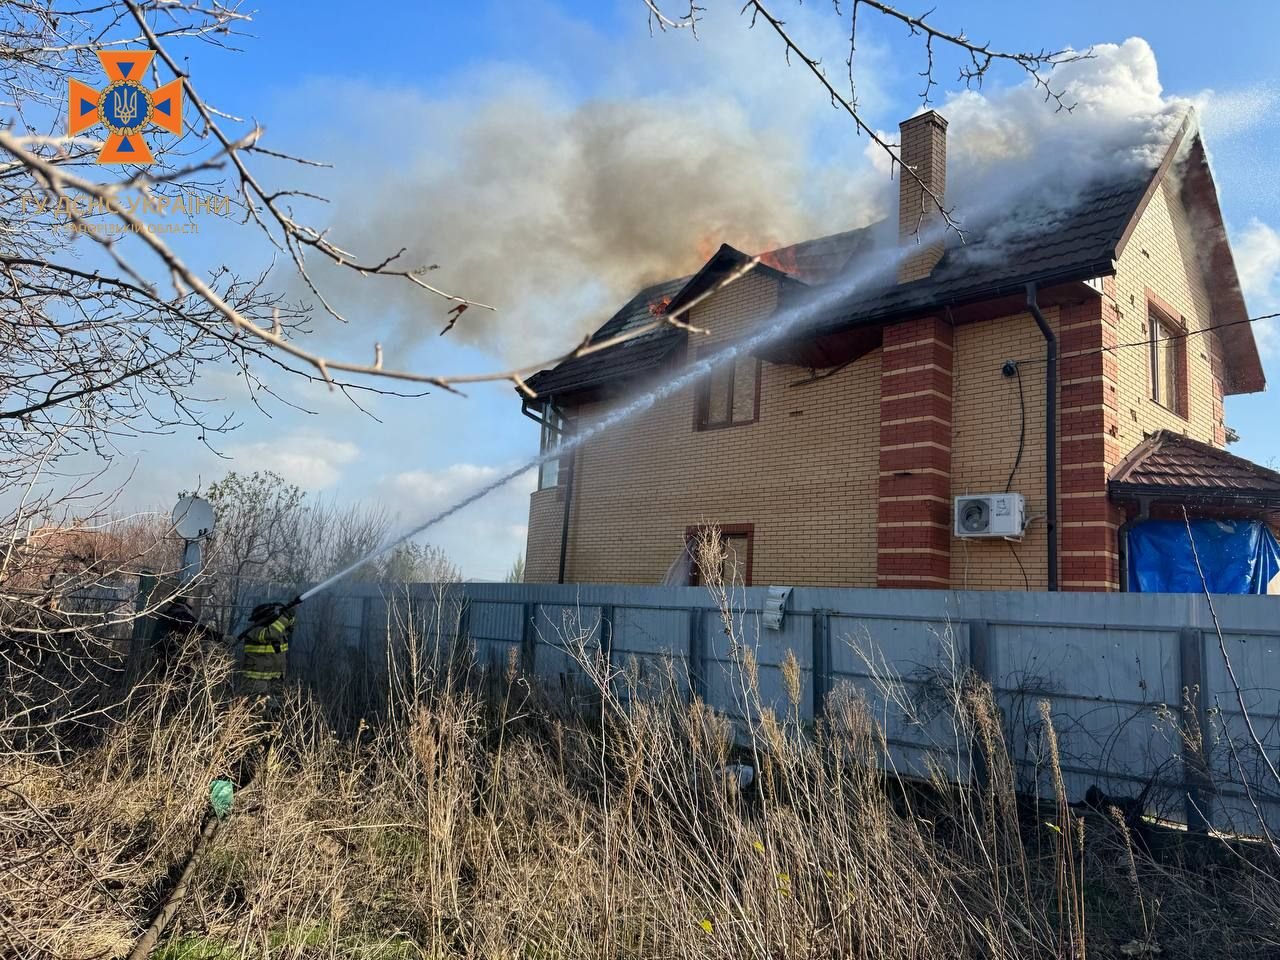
{"points": [[1010, 369], [1026, 581]]}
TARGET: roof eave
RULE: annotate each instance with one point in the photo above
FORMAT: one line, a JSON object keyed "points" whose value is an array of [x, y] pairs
{"points": [[1100, 268], [1257, 498]]}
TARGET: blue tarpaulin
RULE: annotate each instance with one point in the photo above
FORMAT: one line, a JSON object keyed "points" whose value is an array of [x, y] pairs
{"points": [[1237, 556]]}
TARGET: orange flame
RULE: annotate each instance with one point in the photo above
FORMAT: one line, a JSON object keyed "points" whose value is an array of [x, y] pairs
{"points": [[659, 307], [783, 259]]}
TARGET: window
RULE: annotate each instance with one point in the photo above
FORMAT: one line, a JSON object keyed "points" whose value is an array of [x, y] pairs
{"points": [[1168, 363], [727, 551], [553, 425], [729, 396]]}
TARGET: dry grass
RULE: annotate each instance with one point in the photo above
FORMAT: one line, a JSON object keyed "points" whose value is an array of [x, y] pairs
{"points": [[496, 826]]}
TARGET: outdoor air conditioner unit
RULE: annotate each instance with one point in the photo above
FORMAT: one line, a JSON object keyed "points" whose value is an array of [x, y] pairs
{"points": [[990, 515]]}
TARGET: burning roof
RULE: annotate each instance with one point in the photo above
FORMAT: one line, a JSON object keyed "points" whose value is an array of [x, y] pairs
{"points": [[1079, 241]]}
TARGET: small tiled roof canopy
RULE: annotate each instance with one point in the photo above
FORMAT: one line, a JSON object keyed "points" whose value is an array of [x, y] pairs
{"points": [[1169, 466], [1079, 243]]}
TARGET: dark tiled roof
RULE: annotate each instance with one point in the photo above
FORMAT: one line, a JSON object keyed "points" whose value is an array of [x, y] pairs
{"points": [[823, 259], [1078, 242], [1170, 465], [624, 360]]}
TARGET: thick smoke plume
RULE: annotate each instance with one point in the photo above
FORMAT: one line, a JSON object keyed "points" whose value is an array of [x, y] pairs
{"points": [[555, 214]]}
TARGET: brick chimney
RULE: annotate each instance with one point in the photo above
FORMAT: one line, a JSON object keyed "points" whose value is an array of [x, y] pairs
{"points": [[924, 150]]}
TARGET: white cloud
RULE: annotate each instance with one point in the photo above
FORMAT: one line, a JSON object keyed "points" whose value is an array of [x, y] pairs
{"points": [[1257, 255], [312, 462], [485, 537]]}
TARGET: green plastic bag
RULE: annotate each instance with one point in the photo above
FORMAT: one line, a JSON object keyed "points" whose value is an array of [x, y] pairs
{"points": [[221, 794]]}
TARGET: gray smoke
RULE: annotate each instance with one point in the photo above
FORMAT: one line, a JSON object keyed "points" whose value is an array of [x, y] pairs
{"points": [[553, 214]]}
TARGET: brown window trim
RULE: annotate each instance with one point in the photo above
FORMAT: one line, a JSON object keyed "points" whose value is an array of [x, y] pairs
{"points": [[1169, 315], [747, 530], [702, 396]]}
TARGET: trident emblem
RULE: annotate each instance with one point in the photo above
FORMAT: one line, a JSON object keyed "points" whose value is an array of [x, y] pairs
{"points": [[124, 103], [126, 108]]}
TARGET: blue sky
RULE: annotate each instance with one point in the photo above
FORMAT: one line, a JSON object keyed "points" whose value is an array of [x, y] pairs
{"points": [[453, 124]]}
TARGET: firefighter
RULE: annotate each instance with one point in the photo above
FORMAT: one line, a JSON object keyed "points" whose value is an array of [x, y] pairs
{"points": [[266, 649]]}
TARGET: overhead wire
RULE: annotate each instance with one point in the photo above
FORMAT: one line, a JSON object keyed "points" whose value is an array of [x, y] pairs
{"points": [[1146, 343]]}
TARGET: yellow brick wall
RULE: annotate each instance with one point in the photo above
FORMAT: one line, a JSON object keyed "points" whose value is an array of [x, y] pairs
{"points": [[1161, 255], [805, 474], [985, 424]]}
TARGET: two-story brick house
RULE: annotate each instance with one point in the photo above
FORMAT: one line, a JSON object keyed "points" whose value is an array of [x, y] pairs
{"points": [[831, 454]]}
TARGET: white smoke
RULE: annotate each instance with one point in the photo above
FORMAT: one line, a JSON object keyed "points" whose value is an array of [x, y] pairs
{"points": [[1017, 155]]}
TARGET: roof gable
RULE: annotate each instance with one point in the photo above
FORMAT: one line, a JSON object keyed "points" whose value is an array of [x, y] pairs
{"points": [[626, 359], [1242, 371]]}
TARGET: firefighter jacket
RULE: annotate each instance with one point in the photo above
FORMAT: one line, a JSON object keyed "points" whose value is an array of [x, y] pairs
{"points": [[266, 644]]}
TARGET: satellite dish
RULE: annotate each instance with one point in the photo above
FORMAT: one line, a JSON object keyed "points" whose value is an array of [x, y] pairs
{"points": [[193, 518]]}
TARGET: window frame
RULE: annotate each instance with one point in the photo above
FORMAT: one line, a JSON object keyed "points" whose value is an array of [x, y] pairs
{"points": [[1164, 323], [553, 427], [727, 530], [702, 394]]}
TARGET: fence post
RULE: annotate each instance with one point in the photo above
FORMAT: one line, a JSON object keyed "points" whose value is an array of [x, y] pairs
{"points": [[697, 660], [980, 650], [142, 627], [606, 633], [821, 620], [366, 633], [462, 632], [1195, 760], [980, 667], [528, 639]]}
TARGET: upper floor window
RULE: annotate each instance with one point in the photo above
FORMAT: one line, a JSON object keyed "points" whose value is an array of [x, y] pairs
{"points": [[729, 396], [1167, 363], [553, 426]]}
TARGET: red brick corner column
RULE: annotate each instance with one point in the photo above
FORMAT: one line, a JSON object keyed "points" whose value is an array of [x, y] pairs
{"points": [[1088, 522], [913, 533]]}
